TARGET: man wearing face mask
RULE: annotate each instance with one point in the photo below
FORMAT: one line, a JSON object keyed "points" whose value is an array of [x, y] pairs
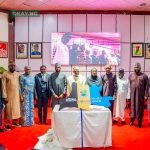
{"points": [[42, 93], [10, 92], [139, 91], [58, 85], [123, 93]]}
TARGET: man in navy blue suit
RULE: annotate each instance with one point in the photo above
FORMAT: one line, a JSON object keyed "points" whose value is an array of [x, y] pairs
{"points": [[42, 93]]}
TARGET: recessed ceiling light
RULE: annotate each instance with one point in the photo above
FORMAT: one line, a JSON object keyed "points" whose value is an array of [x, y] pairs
{"points": [[143, 4]]}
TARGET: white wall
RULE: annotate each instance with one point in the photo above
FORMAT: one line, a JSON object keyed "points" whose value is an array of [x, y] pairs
{"points": [[4, 36], [133, 28]]}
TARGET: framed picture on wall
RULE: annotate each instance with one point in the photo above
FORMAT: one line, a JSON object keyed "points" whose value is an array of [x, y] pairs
{"points": [[21, 50], [3, 50], [137, 49], [36, 50], [147, 50]]}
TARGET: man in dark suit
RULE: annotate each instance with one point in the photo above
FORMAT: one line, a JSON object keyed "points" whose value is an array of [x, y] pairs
{"points": [[42, 93], [109, 85]]}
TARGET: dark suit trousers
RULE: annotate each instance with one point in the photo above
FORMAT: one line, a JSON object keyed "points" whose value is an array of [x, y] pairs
{"points": [[42, 103], [0, 117]]}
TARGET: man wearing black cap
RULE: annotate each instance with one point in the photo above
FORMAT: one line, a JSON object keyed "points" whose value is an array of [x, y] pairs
{"points": [[123, 93], [139, 91], [58, 85]]}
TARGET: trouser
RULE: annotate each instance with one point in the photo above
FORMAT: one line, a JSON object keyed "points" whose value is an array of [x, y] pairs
{"points": [[54, 102], [42, 106], [0, 117], [111, 107]]}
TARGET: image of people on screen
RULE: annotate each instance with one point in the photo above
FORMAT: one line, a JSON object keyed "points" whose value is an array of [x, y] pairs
{"points": [[95, 57], [85, 48], [60, 49], [88, 57], [103, 58]]}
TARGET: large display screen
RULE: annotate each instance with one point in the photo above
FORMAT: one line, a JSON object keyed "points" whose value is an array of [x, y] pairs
{"points": [[71, 48]]}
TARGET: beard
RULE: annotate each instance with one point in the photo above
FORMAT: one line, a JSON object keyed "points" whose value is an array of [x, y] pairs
{"points": [[137, 71]]}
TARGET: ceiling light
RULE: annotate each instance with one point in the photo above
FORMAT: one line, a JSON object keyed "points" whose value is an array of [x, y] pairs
{"points": [[143, 4]]}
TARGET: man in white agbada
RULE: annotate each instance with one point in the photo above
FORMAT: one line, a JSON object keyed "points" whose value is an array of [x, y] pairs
{"points": [[76, 77], [123, 93]]}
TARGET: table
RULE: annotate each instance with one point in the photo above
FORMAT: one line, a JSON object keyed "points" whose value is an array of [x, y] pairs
{"points": [[75, 128]]}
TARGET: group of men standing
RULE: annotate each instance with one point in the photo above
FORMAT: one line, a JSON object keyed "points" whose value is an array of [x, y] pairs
{"points": [[19, 92]]}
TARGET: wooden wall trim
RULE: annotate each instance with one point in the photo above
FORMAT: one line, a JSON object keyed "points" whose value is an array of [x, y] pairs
{"points": [[125, 12], [11, 41]]}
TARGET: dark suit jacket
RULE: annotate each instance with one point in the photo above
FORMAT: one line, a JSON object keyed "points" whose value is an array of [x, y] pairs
{"points": [[0, 95], [39, 83]]}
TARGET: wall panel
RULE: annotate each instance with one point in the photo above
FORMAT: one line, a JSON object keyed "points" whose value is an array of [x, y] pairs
{"points": [[137, 28], [64, 23], [123, 27], [94, 23], [50, 25], [108, 23], [21, 29], [36, 29], [79, 23]]}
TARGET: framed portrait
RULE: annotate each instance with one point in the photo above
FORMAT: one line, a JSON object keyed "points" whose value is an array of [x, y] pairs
{"points": [[147, 50], [36, 50], [21, 50], [137, 49], [3, 50]]}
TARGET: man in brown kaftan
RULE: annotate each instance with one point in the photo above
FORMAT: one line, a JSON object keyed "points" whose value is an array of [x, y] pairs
{"points": [[139, 91], [10, 92]]}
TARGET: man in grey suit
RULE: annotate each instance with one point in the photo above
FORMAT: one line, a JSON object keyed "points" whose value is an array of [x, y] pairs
{"points": [[42, 93]]}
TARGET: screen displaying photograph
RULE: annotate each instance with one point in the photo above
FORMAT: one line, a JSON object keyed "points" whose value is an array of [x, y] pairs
{"points": [[71, 48]]}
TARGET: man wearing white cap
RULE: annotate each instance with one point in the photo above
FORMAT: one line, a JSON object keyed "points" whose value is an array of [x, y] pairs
{"points": [[123, 93]]}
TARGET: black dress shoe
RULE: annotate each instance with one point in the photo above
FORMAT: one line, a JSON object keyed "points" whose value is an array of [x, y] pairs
{"points": [[139, 124], [131, 123], [16, 124], [2, 130], [123, 122], [39, 123], [45, 122], [115, 121], [7, 127]]}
